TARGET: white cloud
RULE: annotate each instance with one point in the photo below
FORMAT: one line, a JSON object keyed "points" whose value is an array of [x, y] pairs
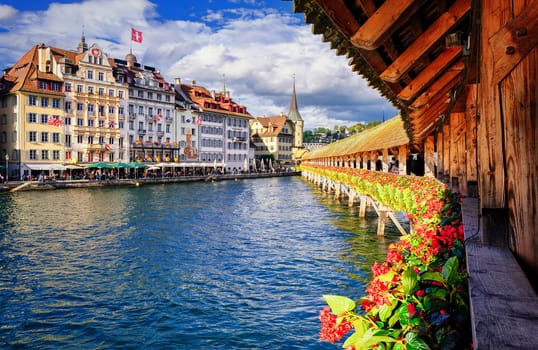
{"points": [[257, 51]]}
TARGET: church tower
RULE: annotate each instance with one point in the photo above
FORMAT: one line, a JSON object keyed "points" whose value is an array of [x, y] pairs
{"points": [[295, 117]]}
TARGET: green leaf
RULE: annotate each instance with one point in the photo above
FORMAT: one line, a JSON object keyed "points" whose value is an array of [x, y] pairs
{"points": [[338, 304], [414, 342], [432, 276], [386, 310], [450, 270], [409, 281]]}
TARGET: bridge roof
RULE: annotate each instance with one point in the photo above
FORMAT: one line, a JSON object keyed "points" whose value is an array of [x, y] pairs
{"points": [[385, 135], [413, 52]]}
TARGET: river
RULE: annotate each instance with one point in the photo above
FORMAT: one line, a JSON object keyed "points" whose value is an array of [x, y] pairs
{"points": [[221, 265]]}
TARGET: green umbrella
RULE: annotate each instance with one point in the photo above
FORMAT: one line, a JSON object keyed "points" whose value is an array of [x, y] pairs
{"points": [[137, 165], [120, 165], [99, 165]]}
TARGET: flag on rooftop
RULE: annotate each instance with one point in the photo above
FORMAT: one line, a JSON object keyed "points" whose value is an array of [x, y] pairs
{"points": [[136, 35]]}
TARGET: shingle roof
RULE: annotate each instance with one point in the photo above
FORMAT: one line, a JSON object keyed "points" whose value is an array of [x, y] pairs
{"points": [[385, 135]]}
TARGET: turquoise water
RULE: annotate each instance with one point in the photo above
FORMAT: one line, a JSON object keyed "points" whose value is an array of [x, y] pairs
{"points": [[223, 265]]}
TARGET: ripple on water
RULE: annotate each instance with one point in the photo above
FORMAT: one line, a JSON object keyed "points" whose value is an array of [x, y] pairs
{"points": [[225, 265]]}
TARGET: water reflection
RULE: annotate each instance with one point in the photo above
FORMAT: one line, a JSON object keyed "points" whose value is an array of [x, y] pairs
{"points": [[203, 265]]}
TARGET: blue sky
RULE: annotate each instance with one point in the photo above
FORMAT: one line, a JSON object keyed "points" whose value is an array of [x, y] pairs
{"points": [[255, 47]]}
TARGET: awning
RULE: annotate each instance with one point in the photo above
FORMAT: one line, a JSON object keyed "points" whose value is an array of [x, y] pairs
{"points": [[44, 166]]}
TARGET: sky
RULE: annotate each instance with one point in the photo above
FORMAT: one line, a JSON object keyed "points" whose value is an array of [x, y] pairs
{"points": [[256, 48]]}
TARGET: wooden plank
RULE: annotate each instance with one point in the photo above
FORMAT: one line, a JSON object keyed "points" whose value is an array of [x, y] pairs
{"points": [[383, 23], [504, 306], [458, 180], [339, 14], [519, 97], [491, 169], [430, 73], [514, 41], [424, 43], [443, 85]]}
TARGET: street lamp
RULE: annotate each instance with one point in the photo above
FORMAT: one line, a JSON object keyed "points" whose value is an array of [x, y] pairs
{"points": [[7, 170]]}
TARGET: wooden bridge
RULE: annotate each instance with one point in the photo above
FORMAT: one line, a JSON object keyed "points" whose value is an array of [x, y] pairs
{"points": [[342, 192]]}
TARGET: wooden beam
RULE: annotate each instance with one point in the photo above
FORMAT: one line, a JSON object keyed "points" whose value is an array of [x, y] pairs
{"points": [[430, 73], [429, 37], [383, 23], [339, 14], [433, 103], [514, 41], [446, 82]]}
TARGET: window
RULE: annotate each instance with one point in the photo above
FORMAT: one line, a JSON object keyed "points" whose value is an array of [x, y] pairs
{"points": [[101, 92], [67, 86], [3, 137], [121, 125], [44, 118], [42, 85], [101, 140], [80, 122], [56, 155], [140, 93], [32, 136], [101, 76], [32, 154], [101, 123], [90, 140], [120, 94], [111, 109], [32, 100], [44, 137], [140, 110], [150, 95], [55, 86], [55, 103], [80, 139], [89, 74], [44, 154], [90, 90], [120, 111], [32, 118], [80, 106], [80, 88], [67, 121], [159, 97], [111, 92], [44, 102], [68, 141], [168, 128], [140, 126], [101, 111], [90, 122], [68, 106], [90, 109]]}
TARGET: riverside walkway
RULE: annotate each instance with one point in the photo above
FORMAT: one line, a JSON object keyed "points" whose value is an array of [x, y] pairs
{"points": [[14, 186]]}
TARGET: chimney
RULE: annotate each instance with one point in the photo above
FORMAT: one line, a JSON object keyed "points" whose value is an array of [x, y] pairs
{"points": [[177, 81], [213, 94]]}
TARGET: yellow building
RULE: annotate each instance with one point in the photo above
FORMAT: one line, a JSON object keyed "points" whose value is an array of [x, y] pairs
{"points": [[31, 113], [273, 138]]}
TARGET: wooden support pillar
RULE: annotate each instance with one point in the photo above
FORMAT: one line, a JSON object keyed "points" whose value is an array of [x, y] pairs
{"points": [[445, 176], [471, 161], [457, 151], [402, 159], [362, 206], [492, 174], [429, 161], [383, 214], [385, 160]]}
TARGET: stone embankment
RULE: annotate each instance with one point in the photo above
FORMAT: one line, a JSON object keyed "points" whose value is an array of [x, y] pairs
{"points": [[14, 186]]}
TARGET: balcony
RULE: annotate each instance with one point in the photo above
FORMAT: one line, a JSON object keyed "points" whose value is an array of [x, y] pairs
{"points": [[121, 117], [132, 116], [239, 139], [150, 118], [160, 133], [169, 119], [142, 132]]}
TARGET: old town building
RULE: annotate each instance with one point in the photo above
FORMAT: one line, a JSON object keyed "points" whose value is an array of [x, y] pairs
{"points": [[151, 110], [224, 128]]}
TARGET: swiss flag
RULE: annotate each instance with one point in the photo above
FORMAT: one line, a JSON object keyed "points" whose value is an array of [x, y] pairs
{"points": [[136, 36]]}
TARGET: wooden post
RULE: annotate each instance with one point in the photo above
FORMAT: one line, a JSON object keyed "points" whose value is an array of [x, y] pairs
{"points": [[402, 159], [490, 133], [470, 140], [382, 212], [385, 160], [362, 206], [429, 163]]}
